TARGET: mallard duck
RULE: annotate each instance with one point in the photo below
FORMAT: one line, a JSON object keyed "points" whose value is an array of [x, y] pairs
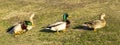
{"points": [[60, 26], [96, 23], [22, 27]]}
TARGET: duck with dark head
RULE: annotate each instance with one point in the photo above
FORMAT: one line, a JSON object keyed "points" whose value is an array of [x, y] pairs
{"points": [[22, 27], [60, 26]]}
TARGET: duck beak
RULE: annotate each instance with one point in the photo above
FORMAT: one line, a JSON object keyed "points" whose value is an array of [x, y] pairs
{"points": [[33, 25], [69, 16]]}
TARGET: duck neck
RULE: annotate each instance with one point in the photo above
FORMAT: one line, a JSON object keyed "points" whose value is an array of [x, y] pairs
{"points": [[31, 19], [68, 22], [102, 18]]}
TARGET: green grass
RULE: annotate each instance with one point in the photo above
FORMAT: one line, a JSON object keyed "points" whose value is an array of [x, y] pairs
{"points": [[50, 11]]}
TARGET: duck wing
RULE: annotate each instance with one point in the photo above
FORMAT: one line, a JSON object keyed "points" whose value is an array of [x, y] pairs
{"points": [[55, 24], [93, 22]]}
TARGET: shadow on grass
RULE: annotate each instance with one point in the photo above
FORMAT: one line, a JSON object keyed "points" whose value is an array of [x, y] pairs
{"points": [[81, 27], [10, 29]]}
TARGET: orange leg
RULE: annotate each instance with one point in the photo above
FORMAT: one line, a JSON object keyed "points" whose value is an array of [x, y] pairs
{"points": [[64, 30], [18, 33], [95, 30], [58, 32]]}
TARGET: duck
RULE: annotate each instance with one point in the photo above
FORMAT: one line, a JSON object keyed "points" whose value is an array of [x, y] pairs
{"points": [[23, 26], [96, 24], [61, 25]]}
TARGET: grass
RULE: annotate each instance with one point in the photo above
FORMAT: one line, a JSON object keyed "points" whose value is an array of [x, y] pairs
{"points": [[50, 11]]}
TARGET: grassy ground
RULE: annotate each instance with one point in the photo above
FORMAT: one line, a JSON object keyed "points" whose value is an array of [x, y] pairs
{"points": [[49, 11]]}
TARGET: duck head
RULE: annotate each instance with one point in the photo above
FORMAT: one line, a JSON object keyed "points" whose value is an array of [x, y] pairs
{"points": [[65, 16], [28, 24]]}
